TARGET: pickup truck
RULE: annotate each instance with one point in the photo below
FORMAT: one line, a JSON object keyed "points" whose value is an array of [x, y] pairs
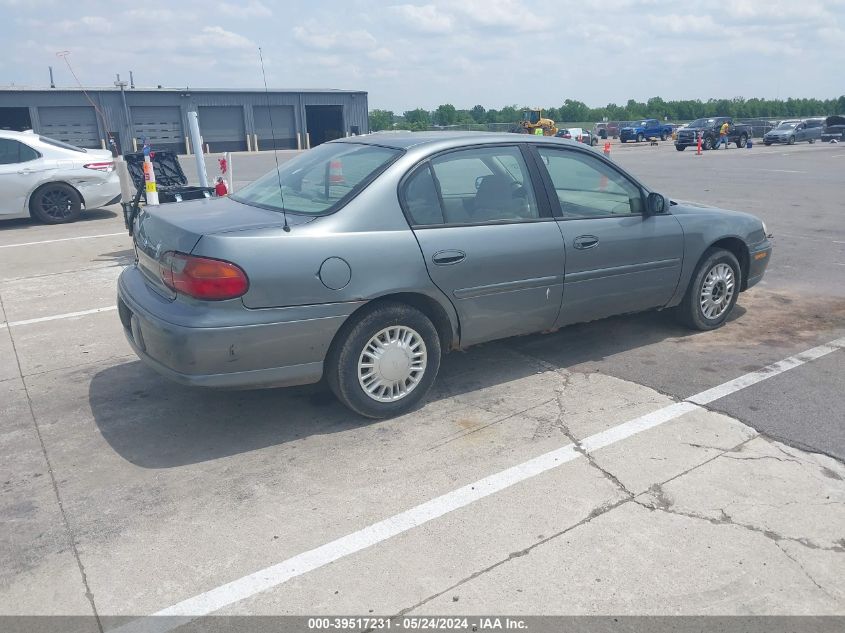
{"points": [[708, 130], [647, 128]]}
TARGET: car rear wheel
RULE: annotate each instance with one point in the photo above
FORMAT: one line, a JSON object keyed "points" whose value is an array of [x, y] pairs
{"points": [[792, 140], [384, 361], [743, 141], [55, 203], [812, 140], [712, 292], [680, 148]]}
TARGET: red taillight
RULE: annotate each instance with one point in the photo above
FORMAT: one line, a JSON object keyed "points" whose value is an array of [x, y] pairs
{"points": [[107, 167], [202, 277]]}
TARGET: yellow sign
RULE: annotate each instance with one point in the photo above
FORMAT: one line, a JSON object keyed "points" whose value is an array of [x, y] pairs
{"points": [[151, 186]]}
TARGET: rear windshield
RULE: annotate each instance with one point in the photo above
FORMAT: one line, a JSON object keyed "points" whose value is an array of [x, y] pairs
{"points": [[320, 180], [702, 123], [62, 144]]}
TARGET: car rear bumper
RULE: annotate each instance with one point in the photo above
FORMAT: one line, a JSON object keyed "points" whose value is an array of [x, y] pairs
{"points": [[257, 349], [758, 261], [100, 193]]}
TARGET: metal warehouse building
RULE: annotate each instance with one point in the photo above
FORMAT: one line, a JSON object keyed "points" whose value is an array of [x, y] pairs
{"points": [[230, 120]]}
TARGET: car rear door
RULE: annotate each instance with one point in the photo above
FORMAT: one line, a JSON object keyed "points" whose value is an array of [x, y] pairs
{"points": [[617, 258], [489, 241], [21, 170]]}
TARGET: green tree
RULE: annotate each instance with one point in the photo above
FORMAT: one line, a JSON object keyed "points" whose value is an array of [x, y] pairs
{"points": [[418, 119], [381, 120], [478, 113], [445, 115]]}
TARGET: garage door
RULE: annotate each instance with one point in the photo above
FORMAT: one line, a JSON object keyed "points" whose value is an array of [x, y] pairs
{"points": [[222, 128], [76, 125], [284, 126], [161, 125]]}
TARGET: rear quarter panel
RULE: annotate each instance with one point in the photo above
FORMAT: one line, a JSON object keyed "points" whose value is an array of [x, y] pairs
{"points": [[370, 235]]}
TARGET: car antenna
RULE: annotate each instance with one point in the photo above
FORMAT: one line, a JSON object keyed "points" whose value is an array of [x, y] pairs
{"points": [[273, 136]]}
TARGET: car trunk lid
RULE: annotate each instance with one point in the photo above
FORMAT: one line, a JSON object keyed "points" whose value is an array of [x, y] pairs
{"points": [[179, 226]]}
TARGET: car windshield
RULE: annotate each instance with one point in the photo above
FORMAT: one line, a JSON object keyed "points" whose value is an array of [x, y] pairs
{"points": [[786, 125], [318, 181], [62, 144], [532, 116], [702, 123]]}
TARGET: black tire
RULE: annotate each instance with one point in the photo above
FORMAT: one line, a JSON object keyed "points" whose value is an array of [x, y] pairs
{"points": [[594, 141], [766, 144], [680, 148], [792, 140], [55, 203], [349, 346], [743, 141], [663, 136], [707, 143], [624, 141], [640, 138], [811, 141], [690, 311]]}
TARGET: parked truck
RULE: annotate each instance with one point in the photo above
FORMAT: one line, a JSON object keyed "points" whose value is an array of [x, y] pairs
{"points": [[708, 131], [647, 128]]}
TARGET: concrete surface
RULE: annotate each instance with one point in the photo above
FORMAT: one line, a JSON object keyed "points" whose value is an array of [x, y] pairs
{"points": [[122, 492]]}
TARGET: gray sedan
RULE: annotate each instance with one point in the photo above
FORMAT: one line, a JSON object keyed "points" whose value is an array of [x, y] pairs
{"points": [[364, 259]]}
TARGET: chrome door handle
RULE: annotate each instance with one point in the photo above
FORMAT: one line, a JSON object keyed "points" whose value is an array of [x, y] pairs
{"points": [[446, 258], [583, 242], [25, 172]]}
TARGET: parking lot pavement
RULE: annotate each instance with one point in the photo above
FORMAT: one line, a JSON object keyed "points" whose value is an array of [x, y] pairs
{"points": [[562, 473]]}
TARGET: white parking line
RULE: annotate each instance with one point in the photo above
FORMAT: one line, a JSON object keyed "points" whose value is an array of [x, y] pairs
{"points": [[65, 239], [785, 171], [56, 317], [275, 575]]}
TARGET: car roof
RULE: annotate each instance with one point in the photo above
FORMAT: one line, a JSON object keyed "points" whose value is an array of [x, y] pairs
{"points": [[445, 140], [29, 134]]}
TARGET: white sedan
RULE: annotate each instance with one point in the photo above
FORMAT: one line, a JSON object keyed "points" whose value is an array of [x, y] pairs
{"points": [[51, 180]]}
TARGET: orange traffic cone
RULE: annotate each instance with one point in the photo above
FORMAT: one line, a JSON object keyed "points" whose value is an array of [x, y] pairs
{"points": [[336, 173]]}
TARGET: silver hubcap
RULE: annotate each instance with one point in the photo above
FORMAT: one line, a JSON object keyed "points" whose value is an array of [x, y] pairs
{"points": [[392, 364], [717, 291]]}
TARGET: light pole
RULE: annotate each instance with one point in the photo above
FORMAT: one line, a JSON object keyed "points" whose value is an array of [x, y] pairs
{"points": [[122, 85]]}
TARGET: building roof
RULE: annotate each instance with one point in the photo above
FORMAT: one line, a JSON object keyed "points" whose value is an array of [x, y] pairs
{"points": [[171, 89]]}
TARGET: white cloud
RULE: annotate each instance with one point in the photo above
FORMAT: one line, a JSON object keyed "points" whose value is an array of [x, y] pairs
{"points": [[322, 38], [425, 18], [216, 37], [251, 9]]}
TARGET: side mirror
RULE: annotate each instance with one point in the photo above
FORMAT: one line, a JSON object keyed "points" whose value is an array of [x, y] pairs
{"points": [[655, 204]]}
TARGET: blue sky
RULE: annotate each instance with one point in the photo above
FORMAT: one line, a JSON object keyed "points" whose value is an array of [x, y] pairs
{"points": [[464, 52]]}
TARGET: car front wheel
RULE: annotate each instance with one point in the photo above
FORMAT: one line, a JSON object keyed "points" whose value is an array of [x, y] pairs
{"points": [[384, 361], [712, 292], [55, 203]]}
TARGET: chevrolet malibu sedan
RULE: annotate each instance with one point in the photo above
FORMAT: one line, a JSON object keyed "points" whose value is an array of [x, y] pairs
{"points": [[53, 181], [364, 260]]}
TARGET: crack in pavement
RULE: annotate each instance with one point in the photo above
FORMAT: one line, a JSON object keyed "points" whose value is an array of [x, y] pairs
{"points": [[594, 513], [89, 595], [804, 570], [664, 503]]}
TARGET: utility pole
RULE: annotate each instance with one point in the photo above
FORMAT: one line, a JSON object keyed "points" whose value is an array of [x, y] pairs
{"points": [[122, 85]]}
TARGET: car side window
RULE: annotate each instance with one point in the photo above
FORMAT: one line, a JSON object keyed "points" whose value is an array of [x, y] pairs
{"points": [[12, 152], [586, 187], [421, 200], [484, 185]]}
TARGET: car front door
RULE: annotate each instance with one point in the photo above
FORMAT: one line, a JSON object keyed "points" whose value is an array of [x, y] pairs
{"points": [[20, 173], [618, 259], [489, 241], [800, 132]]}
